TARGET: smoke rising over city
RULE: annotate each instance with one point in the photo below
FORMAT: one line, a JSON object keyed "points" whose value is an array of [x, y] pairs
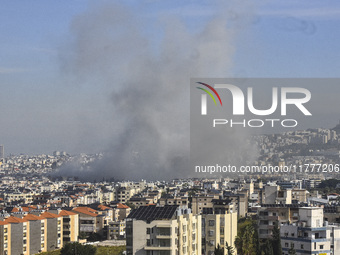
{"points": [[146, 78]]}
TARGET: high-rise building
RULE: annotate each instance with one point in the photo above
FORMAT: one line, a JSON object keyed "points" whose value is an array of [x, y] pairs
{"points": [[168, 229], [2, 152], [219, 226]]}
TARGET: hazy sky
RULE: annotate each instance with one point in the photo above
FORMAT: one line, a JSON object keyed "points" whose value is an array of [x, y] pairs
{"points": [[63, 64]]}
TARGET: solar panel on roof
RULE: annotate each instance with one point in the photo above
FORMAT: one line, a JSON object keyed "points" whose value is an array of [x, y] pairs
{"points": [[150, 213]]}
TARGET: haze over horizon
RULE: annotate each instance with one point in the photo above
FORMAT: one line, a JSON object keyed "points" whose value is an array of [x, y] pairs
{"points": [[86, 76]]}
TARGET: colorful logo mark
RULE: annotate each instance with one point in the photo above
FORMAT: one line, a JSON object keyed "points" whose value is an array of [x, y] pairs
{"points": [[209, 93]]}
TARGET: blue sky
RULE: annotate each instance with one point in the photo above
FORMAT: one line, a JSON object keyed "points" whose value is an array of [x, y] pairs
{"points": [[43, 108]]}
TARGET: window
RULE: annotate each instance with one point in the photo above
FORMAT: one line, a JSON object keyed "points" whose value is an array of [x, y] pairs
{"points": [[148, 231], [321, 247], [211, 223], [286, 245], [5, 230], [302, 247]]}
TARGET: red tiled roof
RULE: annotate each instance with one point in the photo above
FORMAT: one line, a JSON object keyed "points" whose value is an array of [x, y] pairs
{"points": [[29, 217], [24, 208], [122, 206], [49, 215], [86, 210], [103, 207], [66, 213], [13, 219]]}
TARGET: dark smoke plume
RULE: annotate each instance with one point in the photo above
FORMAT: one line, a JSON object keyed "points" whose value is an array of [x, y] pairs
{"points": [[146, 76]]}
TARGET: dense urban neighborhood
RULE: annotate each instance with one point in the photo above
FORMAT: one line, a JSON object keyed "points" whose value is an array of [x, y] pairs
{"points": [[254, 213]]}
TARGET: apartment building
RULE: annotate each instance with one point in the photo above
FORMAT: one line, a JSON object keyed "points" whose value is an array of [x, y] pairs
{"points": [[198, 203], [276, 195], [31, 234], [163, 230], [115, 230], [219, 225], [123, 194], [170, 200], [269, 214], [70, 226], [53, 230], [90, 221], [310, 234]]}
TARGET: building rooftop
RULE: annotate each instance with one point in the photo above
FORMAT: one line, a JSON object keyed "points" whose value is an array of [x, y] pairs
{"points": [[66, 213], [150, 213], [122, 206], [49, 215], [86, 210]]}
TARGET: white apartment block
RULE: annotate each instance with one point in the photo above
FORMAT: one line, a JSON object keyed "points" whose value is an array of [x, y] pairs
{"points": [[167, 230], [311, 234]]}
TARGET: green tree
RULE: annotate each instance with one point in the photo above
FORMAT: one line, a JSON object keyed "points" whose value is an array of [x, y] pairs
{"points": [[78, 249], [267, 248], [276, 241], [230, 249], [246, 241], [93, 237], [82, 235], [218, 250]]}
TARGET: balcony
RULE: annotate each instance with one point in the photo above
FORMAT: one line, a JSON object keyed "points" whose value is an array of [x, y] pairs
{"points": [[273, 217], [157, 248], [161, 245], [163, 233]]}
